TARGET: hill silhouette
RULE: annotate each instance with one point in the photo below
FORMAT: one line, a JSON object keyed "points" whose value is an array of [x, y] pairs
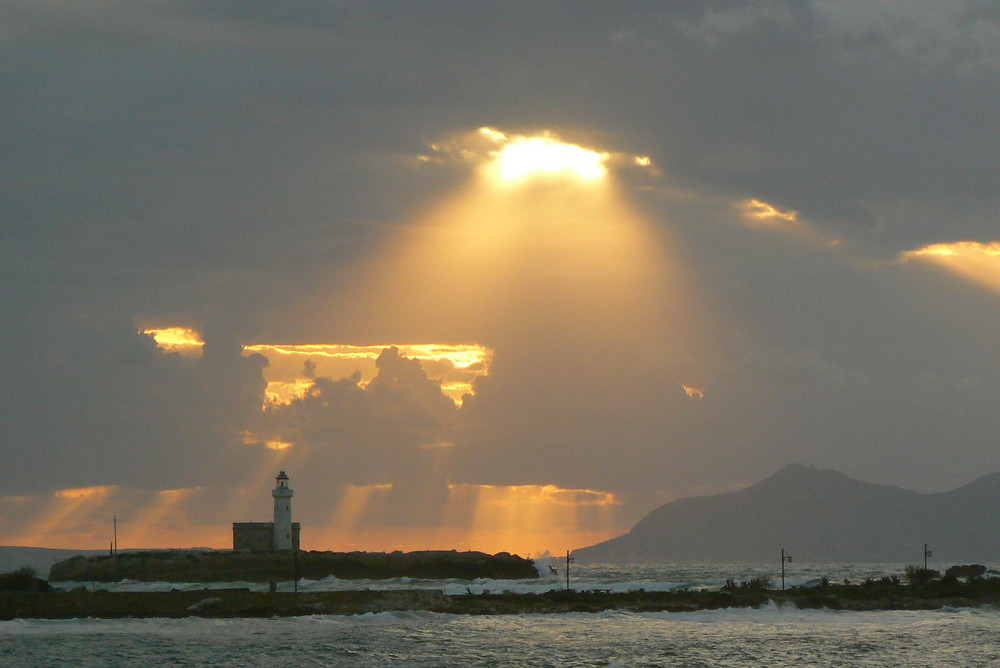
{"points": [[819, 516]]}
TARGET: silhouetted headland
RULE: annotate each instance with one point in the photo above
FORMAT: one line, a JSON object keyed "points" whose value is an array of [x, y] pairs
{"points": [[820, 516]]}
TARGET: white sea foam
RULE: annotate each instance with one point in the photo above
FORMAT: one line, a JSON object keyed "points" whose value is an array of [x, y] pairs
{"points": [[583, 577]]}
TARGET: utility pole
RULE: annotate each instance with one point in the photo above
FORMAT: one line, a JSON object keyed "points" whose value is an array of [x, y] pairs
{"points": [[927, 553], [784, 558], [114, 519], [569, 560]]}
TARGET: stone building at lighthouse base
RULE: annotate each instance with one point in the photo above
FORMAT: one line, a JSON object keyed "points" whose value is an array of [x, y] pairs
{"points": [[259, 536]]}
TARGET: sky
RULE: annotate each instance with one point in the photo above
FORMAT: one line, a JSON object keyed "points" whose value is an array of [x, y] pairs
{"points": [[497, 276]]}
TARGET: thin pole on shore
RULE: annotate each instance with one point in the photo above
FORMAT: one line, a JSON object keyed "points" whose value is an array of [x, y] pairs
{"points": [[114, 520], [784, 558], [569, 560]]}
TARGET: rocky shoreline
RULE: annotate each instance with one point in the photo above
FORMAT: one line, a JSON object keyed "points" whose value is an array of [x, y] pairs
{"points": [[244, 603]]}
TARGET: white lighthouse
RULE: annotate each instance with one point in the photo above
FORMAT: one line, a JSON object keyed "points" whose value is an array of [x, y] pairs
{"points": [[281, 534], [282, 494]]}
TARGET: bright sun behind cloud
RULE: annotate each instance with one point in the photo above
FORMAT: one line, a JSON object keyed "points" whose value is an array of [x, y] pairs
{"points": [[506, 158], [522, 157]]}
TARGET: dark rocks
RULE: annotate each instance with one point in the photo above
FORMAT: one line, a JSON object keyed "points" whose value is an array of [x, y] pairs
{"points": [[967, 571], [22, 579], [235, 603], [241, 603], [230, 566]]}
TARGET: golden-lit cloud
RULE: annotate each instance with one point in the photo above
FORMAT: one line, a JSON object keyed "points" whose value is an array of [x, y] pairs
{"points": [[757, 210], [283, 392], [187, 342], [459, 356], [84, 492], [763, 215], [454, 366], [693, 392], [275, 444], [975, 261]]}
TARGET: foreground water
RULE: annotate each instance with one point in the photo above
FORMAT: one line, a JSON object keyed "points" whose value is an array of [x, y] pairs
{"points": [[772, 635]]}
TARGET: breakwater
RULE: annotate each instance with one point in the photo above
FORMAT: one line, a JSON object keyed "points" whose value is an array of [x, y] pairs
{"points": [[227, 566], [243, 603]]}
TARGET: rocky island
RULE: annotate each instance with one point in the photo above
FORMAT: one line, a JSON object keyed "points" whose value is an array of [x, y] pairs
{"points": [[237, 566]]}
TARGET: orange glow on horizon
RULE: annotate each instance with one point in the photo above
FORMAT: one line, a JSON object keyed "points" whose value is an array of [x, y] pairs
{"points": [[523, 519], [527, 543], [63, 514], [162, 519]]}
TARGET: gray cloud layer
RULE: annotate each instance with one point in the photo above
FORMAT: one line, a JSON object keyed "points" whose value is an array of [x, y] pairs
{"points": [[231, 166]]}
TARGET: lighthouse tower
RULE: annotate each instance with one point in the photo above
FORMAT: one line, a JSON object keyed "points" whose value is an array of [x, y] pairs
{"points": [[282, 494]]}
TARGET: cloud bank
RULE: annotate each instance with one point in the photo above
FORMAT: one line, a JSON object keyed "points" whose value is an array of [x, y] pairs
{"points": [[789, 258]]}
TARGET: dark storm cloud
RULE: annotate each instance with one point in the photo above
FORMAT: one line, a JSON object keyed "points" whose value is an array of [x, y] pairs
{"points": [[226, 165]]}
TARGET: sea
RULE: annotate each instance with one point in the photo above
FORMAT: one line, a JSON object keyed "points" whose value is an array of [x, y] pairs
{"points": [[769, 636]]}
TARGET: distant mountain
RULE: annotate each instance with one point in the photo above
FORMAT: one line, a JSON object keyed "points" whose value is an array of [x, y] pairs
{"points": [[818, 516]]}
